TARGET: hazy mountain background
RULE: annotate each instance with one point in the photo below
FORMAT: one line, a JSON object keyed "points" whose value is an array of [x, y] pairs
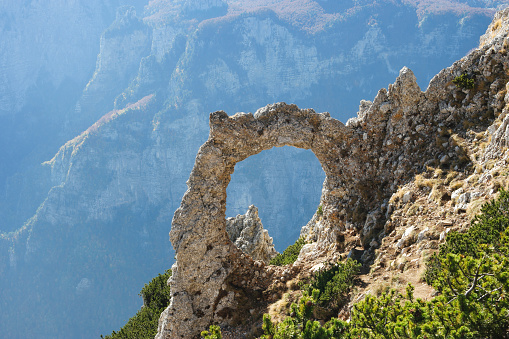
{"points": [[104, 104]]}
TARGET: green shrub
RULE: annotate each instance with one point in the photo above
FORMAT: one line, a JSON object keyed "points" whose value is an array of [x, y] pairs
{"points": [[473, 303], [334, 283], [156, 297], [300, 324], [156, 294], [471, 271], [319, 211], [328, 288], [289, 255], [463, 81], [214, 332], [486, 228]]}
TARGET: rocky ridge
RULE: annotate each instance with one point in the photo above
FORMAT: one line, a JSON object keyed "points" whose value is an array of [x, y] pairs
{"points": [[412, 166]]}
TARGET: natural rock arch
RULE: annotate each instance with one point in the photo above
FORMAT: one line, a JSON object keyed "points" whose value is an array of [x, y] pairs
{"points": [[364, 162], [213, 281]]}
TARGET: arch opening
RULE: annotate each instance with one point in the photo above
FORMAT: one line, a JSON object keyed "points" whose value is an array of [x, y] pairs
{"points": [[207, 260], [285, 185]]}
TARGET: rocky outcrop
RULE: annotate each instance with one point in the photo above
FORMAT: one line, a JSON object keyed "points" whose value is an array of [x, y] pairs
{"points": [[273, 61], [247, 233], [445, 196], [393, 138]]}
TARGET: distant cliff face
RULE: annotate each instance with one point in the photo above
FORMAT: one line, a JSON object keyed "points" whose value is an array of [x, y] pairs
{"points": [[265, 47], [47, 55], [124, 43], [105, 201], [62, 52]]}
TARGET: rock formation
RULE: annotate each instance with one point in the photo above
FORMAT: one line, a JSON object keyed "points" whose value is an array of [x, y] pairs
{"points": [[247, 233], [393, 138], [212, 279]]}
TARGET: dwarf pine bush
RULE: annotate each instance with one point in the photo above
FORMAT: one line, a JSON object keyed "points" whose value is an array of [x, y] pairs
{"points": [[289, 255], [463, 81]]}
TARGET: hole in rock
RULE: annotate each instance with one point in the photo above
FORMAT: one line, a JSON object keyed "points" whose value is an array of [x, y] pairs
{"points": [[285, 184]]}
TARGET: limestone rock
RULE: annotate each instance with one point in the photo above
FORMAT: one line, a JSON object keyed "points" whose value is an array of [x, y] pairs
{"points": [[122, 46], [247, 233], [463, 201], [407, 197], [407, 238]]}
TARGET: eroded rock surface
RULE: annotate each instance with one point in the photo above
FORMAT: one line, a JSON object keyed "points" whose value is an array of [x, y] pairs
{"points": [[247, 233]]}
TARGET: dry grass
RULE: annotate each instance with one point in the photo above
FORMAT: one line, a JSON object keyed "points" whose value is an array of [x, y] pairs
{"points": [[438, 173], [474, 208], [293, 285], [412, 210], [496, 25], [500, 182], [479, 136], [439, 195], [503, 91], [456, 140], [397, 196], [489, 165], [450, 177], [279, 309], [463, 160], [379, 289], [421, 181], [456, 185], [483, 145]]}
